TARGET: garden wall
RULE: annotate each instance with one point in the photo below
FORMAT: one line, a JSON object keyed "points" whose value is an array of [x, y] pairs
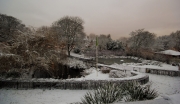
{"points": [[64, 84], [163, 72]]}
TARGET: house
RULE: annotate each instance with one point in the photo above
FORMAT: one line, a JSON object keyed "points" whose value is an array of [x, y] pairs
{"points": [[172, 55]]}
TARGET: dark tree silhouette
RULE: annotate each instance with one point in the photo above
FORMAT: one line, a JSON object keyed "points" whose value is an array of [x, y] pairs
{"points": [[8, 27]]}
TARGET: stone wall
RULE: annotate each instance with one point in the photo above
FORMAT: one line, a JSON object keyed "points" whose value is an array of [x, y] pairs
{"points": [[63, 84], [163, 72]]}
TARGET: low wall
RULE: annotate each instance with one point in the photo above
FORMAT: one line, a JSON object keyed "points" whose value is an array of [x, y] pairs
{"points": [[64, 84], [163, 72]]}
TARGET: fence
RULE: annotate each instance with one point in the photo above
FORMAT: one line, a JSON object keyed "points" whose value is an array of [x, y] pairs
{"points": [[64, 84], [163, 72]]}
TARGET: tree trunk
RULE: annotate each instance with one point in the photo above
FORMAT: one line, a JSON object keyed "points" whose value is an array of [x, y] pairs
{"points": [[68, 53], [68, 49]]}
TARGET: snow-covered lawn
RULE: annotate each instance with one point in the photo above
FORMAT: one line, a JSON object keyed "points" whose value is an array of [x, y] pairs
{"points": [[40, 96]]}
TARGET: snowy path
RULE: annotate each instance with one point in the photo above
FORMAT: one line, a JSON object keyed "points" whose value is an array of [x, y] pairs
{"points": [[165, 85]]}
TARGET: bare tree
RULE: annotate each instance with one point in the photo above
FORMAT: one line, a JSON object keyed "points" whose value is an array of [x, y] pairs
{"points": [[141, 39], [175, 40], [71, 29], [124, 41], [165, 42], [162, 43]]}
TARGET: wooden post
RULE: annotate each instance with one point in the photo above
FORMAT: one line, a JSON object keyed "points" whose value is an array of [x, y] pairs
{"points": [[97, 55]]}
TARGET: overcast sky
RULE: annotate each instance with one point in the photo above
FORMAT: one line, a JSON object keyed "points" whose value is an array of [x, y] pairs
{"points": [[115, 17]]}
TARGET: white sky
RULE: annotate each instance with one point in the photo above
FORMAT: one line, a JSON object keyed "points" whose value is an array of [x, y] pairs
{"points": [[115, 17]]}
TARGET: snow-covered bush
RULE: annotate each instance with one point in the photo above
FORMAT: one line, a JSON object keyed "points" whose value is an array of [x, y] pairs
{"points": [[74, 63], [136, 92], [115, 45], [117, 74], [110, 93], [103, 95]]}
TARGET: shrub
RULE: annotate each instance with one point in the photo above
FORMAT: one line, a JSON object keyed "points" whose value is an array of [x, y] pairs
{"points": [[136, 92], [103, 95], [76, 50], [130, 91], [116, 74], [13, 74], [105, 70], [3, 74], [8, 62]]}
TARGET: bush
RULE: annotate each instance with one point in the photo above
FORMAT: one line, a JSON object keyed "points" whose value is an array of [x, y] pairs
{"points": [[103, 95], [130, 91], [13, 74], [136, 92], [76, 50], [105, 70], [8, 62], [3, 74], [116, 74]]}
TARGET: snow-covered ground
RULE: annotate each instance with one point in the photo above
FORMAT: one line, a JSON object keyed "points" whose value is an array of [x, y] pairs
{"points": [[168, 88], [40, 96], [172, 99], [165, 85]]}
